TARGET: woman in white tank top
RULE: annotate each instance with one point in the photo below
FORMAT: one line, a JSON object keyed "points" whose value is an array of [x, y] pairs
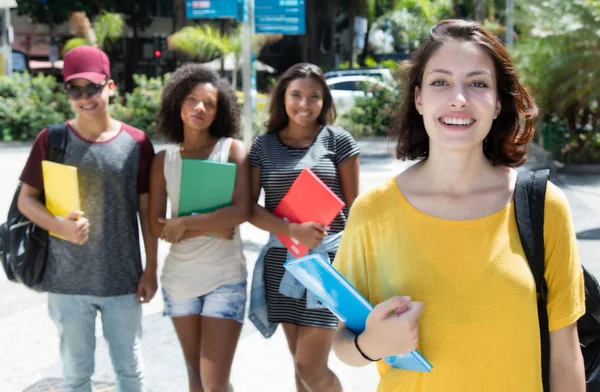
{"points": [[204, 276]]}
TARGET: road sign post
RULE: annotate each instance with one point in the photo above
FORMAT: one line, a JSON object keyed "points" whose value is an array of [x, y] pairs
{"points": [[248, 70]]}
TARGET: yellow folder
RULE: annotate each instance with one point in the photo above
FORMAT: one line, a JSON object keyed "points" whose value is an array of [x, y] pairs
{"points": [[61, 189]]}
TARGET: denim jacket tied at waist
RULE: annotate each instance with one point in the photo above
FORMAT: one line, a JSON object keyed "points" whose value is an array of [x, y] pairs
{"points": [[289, 286]]}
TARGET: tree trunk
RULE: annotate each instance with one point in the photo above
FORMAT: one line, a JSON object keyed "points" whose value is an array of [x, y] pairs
{"points": [[365, 51], [179, 19], [479, 10], [332, 12], [351, 16], [132, 49], [223, 29], [456, 8], [312, 37]]}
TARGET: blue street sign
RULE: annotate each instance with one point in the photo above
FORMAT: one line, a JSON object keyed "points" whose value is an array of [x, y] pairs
{"points": [[211, 9], [280, 17]]}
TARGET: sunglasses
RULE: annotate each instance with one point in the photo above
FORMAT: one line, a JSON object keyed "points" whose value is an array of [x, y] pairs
{"points": [[90, 90]]}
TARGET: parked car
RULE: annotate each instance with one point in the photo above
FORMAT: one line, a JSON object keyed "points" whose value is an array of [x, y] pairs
{"points": [[383, 74], [345, 89], [20, 61]]}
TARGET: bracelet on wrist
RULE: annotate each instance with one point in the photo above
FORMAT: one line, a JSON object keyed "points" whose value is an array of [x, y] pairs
{"points": [[365, 356]]}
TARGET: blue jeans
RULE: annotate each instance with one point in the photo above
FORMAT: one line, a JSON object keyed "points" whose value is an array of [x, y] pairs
{"points": [[75, 318]]}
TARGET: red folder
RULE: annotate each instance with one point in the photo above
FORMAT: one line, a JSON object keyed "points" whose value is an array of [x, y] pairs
{"points": [[307, 200]]}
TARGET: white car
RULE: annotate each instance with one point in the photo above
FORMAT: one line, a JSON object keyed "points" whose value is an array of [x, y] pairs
{"points": [[383, 74], [345, 89]]}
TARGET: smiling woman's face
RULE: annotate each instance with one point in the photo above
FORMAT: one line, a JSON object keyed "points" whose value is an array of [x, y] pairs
{"points": [[199, 107], [304, 101], [458, 97]]}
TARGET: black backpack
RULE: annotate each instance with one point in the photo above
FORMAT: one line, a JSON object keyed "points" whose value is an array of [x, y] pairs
{"points": [[530, 194], [23, 244]]}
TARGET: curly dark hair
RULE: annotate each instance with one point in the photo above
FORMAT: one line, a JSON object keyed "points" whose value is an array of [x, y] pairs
{"points": [[509, 138], [181, 82], [278, 118]]}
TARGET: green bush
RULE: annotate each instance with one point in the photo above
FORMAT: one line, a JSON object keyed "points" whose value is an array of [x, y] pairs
{"points": [[29, 104], [557, 57], [372, 115], [140, 107], [582, 146]]}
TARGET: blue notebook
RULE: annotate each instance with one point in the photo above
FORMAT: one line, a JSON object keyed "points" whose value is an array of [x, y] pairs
{"points": [[335, 292]]}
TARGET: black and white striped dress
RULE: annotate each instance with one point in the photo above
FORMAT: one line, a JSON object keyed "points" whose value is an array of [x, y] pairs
{"points": [[280, 166]]}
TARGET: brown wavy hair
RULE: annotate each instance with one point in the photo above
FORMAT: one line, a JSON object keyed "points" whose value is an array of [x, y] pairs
{"points": [[509, 138], [278, 118]]}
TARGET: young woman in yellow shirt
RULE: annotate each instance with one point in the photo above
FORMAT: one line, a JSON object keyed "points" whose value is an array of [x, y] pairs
{"points": [[437, 247]]}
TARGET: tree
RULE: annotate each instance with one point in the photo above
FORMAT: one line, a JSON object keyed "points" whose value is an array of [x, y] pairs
{"points": [[107, 27], [205, 42], [403, 30], [57, 11], [54, 12], [179, 19], [559, 57]]}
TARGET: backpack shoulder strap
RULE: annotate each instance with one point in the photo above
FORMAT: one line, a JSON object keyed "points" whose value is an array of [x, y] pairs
{"points": [[530, 197], [58, 142]]}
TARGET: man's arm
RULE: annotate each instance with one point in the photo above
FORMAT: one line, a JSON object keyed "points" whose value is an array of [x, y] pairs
{"points": [[74, 227], [567, 372], [30, 205]]}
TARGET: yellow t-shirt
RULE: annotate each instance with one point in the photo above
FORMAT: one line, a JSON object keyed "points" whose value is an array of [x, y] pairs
{"points": [[480, 328]]}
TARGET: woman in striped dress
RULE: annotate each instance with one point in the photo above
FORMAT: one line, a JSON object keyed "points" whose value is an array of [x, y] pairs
{"points": [[298, 136]]}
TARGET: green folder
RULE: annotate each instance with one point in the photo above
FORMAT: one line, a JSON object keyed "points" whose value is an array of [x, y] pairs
{"points": [[205, 186]]}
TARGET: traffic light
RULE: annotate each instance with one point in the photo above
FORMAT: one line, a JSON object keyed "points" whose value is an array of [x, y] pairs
{"points": [[160, 47]]}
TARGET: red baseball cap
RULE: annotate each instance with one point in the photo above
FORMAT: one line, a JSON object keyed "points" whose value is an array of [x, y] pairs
{"points": [[86, 62]]}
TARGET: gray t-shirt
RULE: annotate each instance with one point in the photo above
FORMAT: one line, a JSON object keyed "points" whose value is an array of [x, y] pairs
{"points": [[111, 175]]}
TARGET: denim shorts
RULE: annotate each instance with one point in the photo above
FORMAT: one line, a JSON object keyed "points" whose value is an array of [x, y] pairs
{"points": [[226, 302]]}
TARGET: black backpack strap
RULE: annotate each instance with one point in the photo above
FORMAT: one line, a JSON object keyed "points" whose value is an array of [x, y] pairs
{"points": [[58, 142], [530, 196]]}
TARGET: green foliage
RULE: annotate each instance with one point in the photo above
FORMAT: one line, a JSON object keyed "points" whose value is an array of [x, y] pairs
{"points": [[568, 147], [73, 43], [29, 104], [140, 107], [431, 11], [403, 30], [107, 26], [372, 115], [258, 122], [58, 11], [398, 32], [559, 60], [370, 62], [204, 42], [346, 65]]}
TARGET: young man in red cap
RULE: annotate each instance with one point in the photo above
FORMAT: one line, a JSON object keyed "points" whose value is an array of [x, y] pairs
{"points": [[99, 267]]}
